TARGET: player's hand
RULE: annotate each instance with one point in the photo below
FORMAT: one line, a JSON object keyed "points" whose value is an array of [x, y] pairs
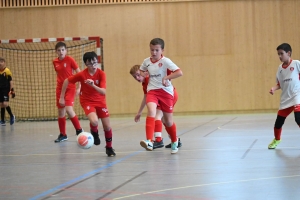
{"points": [[165, 82], [137, 118], [272, 91], [12, 94], [62, 102], [89, 82]]}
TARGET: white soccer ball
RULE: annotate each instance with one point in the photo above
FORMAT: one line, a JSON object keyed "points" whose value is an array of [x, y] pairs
{"points": [[85, 140]]}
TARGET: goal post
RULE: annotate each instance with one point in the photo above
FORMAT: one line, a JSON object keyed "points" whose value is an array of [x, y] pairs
{"points": [[34, 77]]}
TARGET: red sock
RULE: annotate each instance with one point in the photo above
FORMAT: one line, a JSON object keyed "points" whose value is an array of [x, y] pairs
{"points": [[94, 128], [277, 133], [62, 125], [75, 122], [108, 138], [172, 132], [150, 124], [157, 130]]}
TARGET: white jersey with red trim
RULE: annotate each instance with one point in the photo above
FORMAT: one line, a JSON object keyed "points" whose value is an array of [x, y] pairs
{"points": [[157, 70], [288, 79]]}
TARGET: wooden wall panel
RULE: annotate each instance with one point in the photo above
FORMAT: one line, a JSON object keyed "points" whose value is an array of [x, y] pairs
{"points": [[226, 49]]}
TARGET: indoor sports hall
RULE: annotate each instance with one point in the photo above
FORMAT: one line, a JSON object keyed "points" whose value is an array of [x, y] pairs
{"points": [[225, 115]]}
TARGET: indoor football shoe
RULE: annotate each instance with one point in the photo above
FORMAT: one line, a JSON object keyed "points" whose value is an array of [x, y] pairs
{"points": [[273, 144], [96, 138], [174, 147], [12, 120], [110, 152], [78, 131], [158, 144], [179, 144], [61, 138], [2, 123], [147, 145]]}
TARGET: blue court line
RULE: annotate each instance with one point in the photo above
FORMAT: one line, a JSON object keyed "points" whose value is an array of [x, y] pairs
{"points": [[64, 185]]}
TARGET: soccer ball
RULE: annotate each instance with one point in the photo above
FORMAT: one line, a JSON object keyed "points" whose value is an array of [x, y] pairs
{"points": [[85, 140]]}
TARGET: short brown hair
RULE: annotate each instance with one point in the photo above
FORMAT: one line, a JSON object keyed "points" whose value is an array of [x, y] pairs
{"points": [[134, 69], [60, 44], [158, 41], [2, 59]]}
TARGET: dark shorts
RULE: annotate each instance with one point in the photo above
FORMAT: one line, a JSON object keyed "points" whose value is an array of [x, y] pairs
{"points": [[4, 95]]}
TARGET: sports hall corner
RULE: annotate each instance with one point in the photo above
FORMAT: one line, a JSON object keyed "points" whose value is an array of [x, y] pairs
{"points": [[224, 115]]}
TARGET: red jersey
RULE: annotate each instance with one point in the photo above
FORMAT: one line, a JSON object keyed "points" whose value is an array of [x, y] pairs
{"points": [[64, 69], [88, 95]]}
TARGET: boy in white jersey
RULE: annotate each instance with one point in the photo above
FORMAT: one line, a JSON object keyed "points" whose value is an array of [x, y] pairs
{"points": [[160, 91], [288, 81]]}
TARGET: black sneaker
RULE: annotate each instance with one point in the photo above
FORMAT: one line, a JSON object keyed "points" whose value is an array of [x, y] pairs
{"points": [[110, 152], [78, 131], [179, 144], [96, 138], [158, 144], [61, 138]]}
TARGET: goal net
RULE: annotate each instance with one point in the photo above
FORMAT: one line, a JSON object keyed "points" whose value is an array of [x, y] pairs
{"points": [[34, 78]]}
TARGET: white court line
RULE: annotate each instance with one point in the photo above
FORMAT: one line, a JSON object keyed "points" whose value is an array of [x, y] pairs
{"points": [[207, 184]]}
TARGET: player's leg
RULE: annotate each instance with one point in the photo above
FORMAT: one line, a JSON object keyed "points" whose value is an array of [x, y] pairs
{"points": [[281, 116], [12, 117], [158, 140], [108, 136], [93, 118], [69, 103], [61, 125], [4, 103], [2, 115]]}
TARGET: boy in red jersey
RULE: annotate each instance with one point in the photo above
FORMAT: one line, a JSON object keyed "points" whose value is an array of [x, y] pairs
{"points": [[160, 91], [64, 66], [92, 98], [288, 81], [158, 143], [6, 90]]}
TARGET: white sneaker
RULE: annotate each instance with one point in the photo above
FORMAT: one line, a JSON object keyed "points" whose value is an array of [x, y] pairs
{"points": [[174, 147], [147, 145]]}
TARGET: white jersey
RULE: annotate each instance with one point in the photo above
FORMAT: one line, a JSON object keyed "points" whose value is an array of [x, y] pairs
{"points": [[157, 71], [288, 78]]}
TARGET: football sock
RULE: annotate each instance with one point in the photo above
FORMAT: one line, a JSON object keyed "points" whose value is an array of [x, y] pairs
{"points": [[277, 133], [108, 138], [62, 125], [157, 130], [150, 124], [172, 132], [94, 128], [2, 114], [75, 122], [9, 111]]}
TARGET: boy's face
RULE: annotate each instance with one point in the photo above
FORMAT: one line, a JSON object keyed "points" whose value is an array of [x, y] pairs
{"points": [[138, 77], [156, 51], [61, 52], [283, 56], [2, 64], [92, 65]]}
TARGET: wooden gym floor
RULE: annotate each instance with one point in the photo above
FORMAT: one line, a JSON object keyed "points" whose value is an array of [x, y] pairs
{"points": [[223, 157]]}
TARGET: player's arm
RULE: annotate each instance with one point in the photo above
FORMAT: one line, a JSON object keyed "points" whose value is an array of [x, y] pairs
{"points": [[274, 88], [173, 75], [78, 84], [63, 92], [142, 106], [11, 86], [100, 90]]}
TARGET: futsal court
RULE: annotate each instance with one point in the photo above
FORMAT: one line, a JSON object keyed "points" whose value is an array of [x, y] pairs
{"points": [[222, 157]]}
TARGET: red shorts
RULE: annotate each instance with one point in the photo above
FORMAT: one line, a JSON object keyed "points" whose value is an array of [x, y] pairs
{"points": [[174, 101], [285, 112], [161, 98], [101, 112], [69, 97]]}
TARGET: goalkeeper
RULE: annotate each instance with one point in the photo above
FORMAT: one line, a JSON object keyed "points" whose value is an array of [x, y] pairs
{"points": [[6, 90]]}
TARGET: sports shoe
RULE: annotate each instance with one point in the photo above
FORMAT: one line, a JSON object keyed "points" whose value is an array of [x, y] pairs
{"points": [[96, 138], [179, 144], [147, 145], [274, 144], [174, 147], [158, 144], [2, 123], [78, 131], [61, 138], [110, 152], [12, 120]]}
